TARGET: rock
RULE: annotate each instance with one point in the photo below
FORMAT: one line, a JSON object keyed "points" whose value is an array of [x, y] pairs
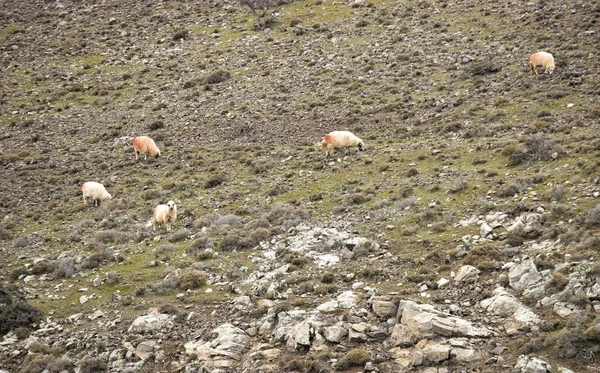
{"points": [[230, 342], [424, 321], [523, 275], [442, 282], [564, 309], [528, 364], [152, 323], [401, 336], [485, 230], [145, 349], [335, 333], [297, 328], [529, 223], [465, 272], [435, 353], [242, 302], [328, 307], [383, 307], [505, 304], [347, 300]]}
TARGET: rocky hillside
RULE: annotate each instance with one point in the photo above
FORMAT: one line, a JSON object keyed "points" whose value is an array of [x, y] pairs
{"points": [[466, 237]]}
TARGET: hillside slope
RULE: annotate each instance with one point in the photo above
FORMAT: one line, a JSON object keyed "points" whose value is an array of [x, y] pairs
{"points": [[459, 137]]}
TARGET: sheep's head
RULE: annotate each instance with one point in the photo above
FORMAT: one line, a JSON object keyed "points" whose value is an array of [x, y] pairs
{"points": [[361, 146], [323, 144], [171, 205], [108, 196]]}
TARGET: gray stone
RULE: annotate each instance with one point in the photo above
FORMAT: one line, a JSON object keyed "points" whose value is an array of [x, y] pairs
{"points": [[347, 299], [523, 275], [384, 307], [435, 353], [485, 230], [528, 364], [335, 333], [328, 307], [505, 304], [152, 323], [465, 272], [424, 321], [230, 341]]}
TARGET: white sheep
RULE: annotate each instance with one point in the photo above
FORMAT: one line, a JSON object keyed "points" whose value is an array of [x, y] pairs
{"points": [[95, 191], [543, 59], [165, 214], [145, 145], [341, 139]]}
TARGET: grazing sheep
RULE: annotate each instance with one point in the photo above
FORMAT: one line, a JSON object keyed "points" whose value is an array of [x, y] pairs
{"points": [[340, 139], [165, 214], [95, 191], [145, 145], [542, 59]]}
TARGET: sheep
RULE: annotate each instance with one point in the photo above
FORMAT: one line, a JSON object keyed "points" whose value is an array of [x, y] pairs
{"points": [[165, 214], [145, 145], [542, 59], [340, 139], [95, 191]]}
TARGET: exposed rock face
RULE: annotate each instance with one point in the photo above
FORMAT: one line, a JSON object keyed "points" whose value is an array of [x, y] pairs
{"points": [[423, 320], [229, 343], [523, 275], [152, 323], [465, 273], [505, 304], [528, 364]]}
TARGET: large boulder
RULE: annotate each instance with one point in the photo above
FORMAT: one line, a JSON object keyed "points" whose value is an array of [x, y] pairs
{"points": [[505, 304], [523, 275], [153, 323], [528, 364], [229, 342], [423, 321]]}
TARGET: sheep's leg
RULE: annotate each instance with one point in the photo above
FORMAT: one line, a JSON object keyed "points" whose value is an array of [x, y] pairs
{"points": [[96, 202], [137, 158], [84, 200]]}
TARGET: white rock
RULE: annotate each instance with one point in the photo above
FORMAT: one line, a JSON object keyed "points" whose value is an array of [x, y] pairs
{"points": [[523, 275], [347, 300], [328, 307], [152, 323], [465, 272]]}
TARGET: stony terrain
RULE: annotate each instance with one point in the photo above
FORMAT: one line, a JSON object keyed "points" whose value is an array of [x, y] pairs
{"points": [[465, 238]]}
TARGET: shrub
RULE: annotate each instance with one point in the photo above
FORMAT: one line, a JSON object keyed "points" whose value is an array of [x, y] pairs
{"points": [[65, 268], [593, 333], [157, 124], [484, 67], [43, 266], [18, 272], [18, 315], [164, 249], [93, 365], [180, 34], [558, 281], [168, 283], [260, 8], [538, 148], [592, 216], [96, 259], [355, 199], [35, 363], [234, 241], [113, 278], [354, 358], [180, 235], [458, 186], [217, 77], [214, 181], [60, 365], [327, 278], [192, 279], [286, 215]]}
